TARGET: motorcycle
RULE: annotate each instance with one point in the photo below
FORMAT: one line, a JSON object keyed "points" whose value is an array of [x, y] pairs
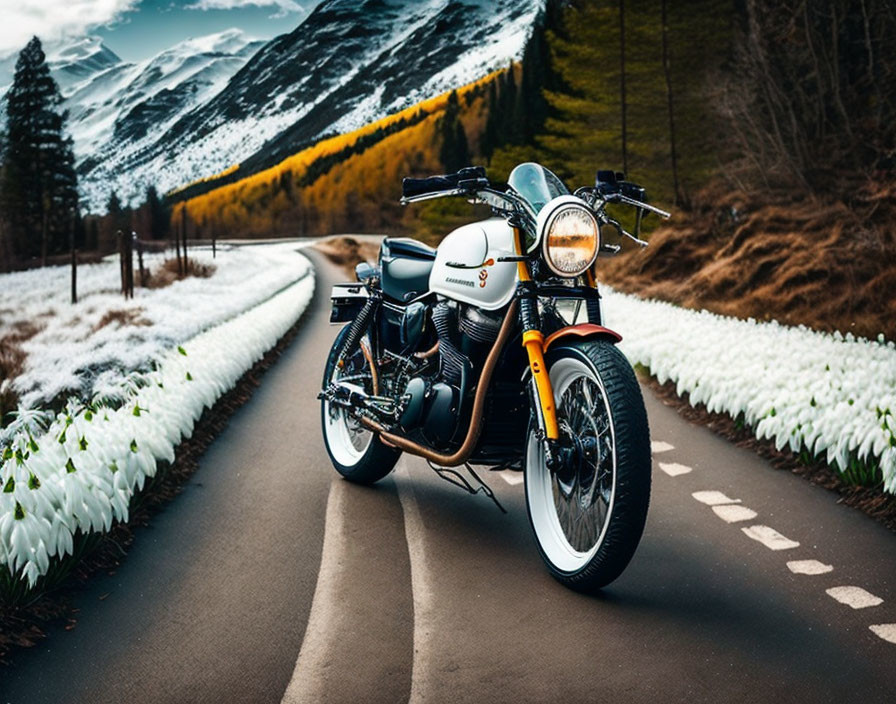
{"points": [[474, 353]]}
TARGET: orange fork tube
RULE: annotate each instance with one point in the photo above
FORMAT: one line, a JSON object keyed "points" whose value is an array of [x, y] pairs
{"points": [[533, 341]]}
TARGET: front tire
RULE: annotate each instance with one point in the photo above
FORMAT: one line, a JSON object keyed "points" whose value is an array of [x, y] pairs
{"points": [[356, 453], [588, 517]]}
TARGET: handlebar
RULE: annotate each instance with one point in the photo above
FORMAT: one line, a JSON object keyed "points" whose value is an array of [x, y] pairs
{"points": [[610, 187], [412, 187]]}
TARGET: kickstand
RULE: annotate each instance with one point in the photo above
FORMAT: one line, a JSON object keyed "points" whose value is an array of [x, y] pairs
{"points": [[452, 476]]}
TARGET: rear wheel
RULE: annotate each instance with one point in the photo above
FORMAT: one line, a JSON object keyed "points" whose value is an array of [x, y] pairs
{"points": [[588, 516], [356, 453]]}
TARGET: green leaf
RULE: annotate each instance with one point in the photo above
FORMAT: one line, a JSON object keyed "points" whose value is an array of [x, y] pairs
{"points": [[70, 466], [33, 445], [7, 453], [133, 445], [20, 512], [33, 482], [82, 443], [88, 416], [113, 467], [182, 350], [62, 437], [10, 486], [137, 410], [189, 376]]}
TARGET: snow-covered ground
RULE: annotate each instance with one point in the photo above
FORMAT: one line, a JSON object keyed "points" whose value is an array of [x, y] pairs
{"points": [[833, 395], [79, 470], [73, 355]]}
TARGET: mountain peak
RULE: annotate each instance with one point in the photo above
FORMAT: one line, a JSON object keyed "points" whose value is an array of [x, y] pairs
{"points": [[228, 41], [79, 49]]}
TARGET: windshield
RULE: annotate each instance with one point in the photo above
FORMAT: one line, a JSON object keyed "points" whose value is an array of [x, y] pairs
{"points": [[536, 185]]}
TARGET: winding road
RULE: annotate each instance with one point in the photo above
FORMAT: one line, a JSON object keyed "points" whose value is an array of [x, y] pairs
{"points": [[269, 579]]}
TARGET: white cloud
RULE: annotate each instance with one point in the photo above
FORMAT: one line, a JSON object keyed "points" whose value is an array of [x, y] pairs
{"points": [[54, 19], [284, 7]]}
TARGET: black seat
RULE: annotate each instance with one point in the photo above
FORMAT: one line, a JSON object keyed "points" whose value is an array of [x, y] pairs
{"points": [[407, 247], [406, 264]]}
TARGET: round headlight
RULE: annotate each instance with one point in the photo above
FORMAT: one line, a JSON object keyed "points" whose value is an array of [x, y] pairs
{"points": [[571, 240]]}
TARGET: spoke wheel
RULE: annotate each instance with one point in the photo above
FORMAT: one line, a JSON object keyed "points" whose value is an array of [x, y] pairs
{"points": [[588, 515], [355, 452]]}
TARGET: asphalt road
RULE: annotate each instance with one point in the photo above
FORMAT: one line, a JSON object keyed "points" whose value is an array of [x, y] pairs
{"points": [[269, 579]]}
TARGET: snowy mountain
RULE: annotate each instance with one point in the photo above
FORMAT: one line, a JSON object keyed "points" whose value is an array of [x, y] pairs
{"points": [[130, 106], [348, 63], [116, 107], [70, 62], [79, 60], [207, 104]]}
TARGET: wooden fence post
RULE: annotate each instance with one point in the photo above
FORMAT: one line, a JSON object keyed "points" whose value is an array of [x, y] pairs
{"points": [[177, 246], [140, 262], [120, 237], [130, 264], [71, 242], [183, 220]]}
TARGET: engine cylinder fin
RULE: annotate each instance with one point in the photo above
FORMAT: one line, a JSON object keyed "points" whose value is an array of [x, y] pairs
{"points": [[453, 360], [479, 325]]}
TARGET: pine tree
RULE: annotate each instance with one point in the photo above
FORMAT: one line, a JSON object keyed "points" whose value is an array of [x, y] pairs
{"points": [[40, 186], [584, 130], [159, 215], [490, 136], [454, 153], [117, 217], [461, 146]]}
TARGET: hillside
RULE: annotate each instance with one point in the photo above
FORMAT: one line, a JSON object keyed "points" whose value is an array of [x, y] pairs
{"points": [[798, 261], [351, 182], [347, 64], [774, 217]]}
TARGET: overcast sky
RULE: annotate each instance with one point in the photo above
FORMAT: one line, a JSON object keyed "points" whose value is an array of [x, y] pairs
{"points": [[136, 29]]}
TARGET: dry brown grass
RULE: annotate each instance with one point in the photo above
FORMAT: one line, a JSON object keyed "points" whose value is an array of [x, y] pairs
{"points": [[168, 272], [121, 318], [12, 360], [827, 266], [347, 252]]}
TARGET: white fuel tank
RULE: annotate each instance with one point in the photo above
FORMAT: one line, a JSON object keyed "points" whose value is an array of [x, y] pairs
{"points": [[467, 267]]}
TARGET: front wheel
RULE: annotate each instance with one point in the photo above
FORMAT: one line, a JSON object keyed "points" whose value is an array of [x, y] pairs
{"points": [[589, 514]]}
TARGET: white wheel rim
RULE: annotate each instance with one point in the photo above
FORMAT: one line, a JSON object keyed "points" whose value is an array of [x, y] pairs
{"points": [[541, 485], [347, 443]]}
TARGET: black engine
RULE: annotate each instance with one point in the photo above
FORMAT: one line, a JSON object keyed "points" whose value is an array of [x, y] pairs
{"points": [[435, 405]]}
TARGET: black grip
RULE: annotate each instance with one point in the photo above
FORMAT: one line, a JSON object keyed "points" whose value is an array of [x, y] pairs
{"points": [[433, 184], [612, 183], [633, 191]]}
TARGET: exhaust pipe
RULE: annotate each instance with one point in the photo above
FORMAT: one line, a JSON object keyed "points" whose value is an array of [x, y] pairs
{"points": [[466, 449]]}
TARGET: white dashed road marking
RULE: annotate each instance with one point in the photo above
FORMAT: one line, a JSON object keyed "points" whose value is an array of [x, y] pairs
{"points": [[317, 645], [673, 469], [856, 597], [424, 665], [769, 537], [809, 567], [887, 631], [713, 498], [732, 513]]}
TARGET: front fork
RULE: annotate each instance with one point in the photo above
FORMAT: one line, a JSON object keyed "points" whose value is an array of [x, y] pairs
{"points": [[533, 341]]}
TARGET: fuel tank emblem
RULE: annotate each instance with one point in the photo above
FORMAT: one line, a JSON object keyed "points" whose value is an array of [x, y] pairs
{"points": [[483, 275]]}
